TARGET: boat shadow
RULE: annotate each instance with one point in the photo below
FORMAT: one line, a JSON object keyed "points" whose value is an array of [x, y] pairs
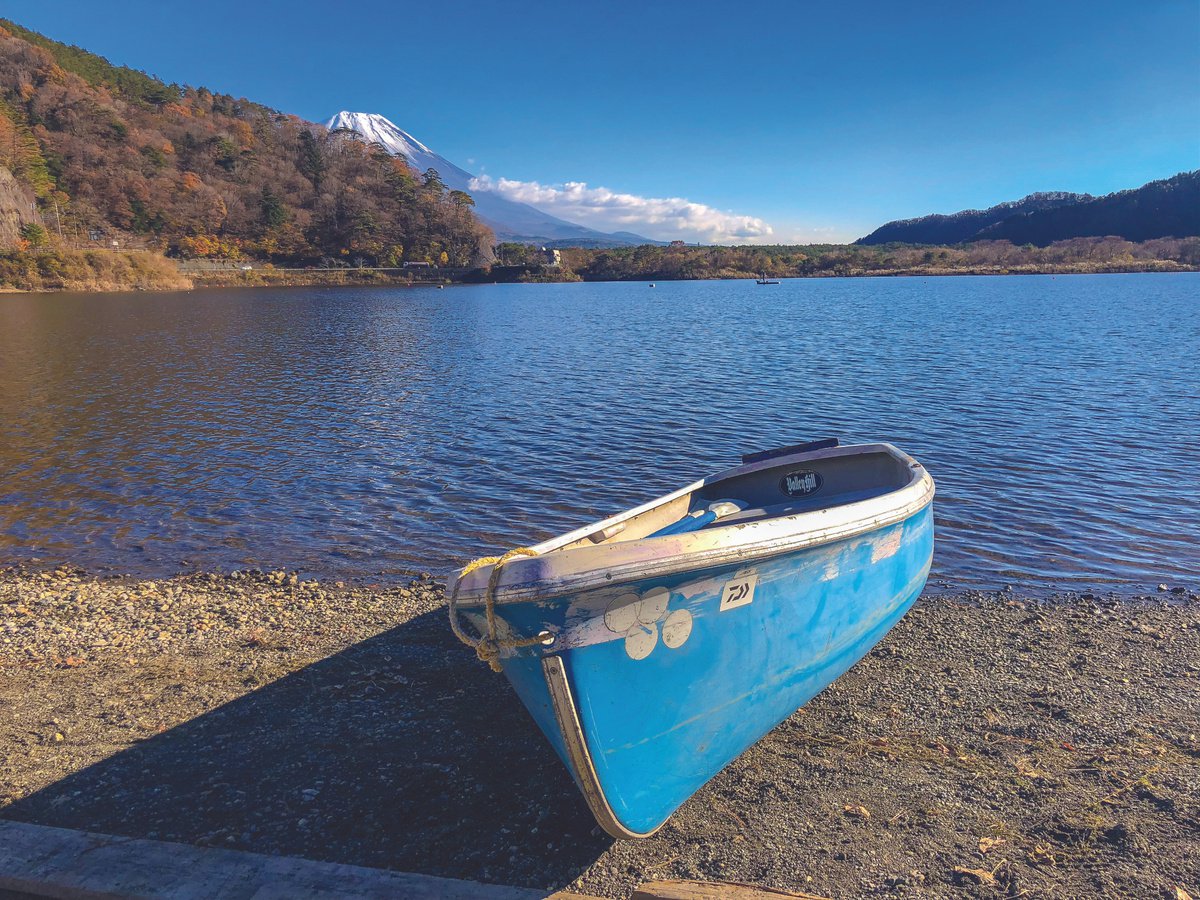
{"points": [[401, 752]]}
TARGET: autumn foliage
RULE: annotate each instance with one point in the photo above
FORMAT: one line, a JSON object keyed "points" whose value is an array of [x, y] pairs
{"points": [[114, 154], [1078, 255]]}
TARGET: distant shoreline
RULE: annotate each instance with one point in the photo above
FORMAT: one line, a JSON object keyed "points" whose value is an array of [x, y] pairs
{"points": [[165, 277]]}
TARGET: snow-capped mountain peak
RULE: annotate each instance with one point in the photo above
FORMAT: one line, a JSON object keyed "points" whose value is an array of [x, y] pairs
{"points": [[376, 129], [510, 220]]}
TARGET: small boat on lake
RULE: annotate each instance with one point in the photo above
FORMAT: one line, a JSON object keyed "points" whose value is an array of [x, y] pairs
{"points": [[763, 279], [653, 647]]}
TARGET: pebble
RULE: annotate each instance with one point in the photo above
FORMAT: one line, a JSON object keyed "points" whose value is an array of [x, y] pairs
{"points": [[60, 616], [922, 740]]}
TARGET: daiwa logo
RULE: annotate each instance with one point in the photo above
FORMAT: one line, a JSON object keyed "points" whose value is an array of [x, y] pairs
{"points": [[739, 590], [800, 484]]}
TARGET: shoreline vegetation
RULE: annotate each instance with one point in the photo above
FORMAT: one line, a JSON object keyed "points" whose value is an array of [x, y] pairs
{"points": [[48, 269], [100, 161], [992, 745]]}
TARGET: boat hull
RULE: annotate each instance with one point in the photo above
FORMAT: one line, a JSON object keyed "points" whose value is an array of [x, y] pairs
{"points": [[651, 688]]}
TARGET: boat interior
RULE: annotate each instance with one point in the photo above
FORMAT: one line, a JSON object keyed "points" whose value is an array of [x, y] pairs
{"points": [[767, 487]]}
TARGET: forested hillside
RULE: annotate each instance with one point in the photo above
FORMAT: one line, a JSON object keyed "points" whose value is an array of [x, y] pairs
{"points": [[958, 227], [111, 154], [1167, 208], [1080, 255], [1160, 209]]}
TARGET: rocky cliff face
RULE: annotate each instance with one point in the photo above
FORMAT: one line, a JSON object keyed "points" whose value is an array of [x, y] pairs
{"points": [[16, 209]]}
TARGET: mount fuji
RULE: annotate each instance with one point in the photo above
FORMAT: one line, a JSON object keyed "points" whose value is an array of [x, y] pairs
{"points": [[510, 220]]}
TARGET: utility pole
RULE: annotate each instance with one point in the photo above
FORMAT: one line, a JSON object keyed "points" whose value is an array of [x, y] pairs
{"points": [[58, 219]]}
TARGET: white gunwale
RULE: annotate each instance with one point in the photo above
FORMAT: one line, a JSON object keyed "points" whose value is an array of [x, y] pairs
{"points": [[583, 568]]}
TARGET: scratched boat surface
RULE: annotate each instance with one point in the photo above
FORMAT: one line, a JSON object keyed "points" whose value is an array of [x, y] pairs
{"points": [[665, 655]]}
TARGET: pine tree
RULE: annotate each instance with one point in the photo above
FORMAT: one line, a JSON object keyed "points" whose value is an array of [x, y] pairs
{"points": [[20, 153], [274, 213]]}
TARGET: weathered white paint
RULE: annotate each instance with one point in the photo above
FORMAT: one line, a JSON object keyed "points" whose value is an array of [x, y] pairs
{"points": [[887, 544], [563, 568], [677, 629], [622, 613], [654, 605], [641, 640]]}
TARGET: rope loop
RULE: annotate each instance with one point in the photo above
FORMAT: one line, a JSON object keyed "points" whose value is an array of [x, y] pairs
{"points": [[488, 645]]}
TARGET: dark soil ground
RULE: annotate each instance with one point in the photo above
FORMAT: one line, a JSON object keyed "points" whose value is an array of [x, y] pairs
{"points": [[990, 746]]}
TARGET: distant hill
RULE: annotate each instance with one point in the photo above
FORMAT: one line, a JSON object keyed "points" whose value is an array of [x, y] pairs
{"points": [[607, 241], [1167, 208], [960, 227]]}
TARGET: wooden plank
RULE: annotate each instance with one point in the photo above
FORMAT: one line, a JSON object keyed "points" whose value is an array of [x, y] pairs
{"points": [[705, 890], [79, 865]]}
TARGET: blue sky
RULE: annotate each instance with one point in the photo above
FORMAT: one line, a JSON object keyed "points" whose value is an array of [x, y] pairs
{"points": [[818, 121]]}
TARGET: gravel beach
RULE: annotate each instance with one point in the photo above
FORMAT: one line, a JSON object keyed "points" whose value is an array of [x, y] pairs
{"points": [[990, 746]]}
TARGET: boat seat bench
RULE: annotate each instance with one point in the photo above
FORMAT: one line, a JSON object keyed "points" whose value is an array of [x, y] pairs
{"points": [[801, 506]]}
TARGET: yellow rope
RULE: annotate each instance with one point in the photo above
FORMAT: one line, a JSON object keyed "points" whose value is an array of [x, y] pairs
{"points": [[487, 647]]}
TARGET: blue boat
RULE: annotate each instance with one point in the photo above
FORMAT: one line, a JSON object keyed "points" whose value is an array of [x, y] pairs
{"points": [[654, 647]]}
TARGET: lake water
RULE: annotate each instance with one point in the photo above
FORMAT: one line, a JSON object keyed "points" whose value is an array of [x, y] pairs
{"points": [[371, 432]]}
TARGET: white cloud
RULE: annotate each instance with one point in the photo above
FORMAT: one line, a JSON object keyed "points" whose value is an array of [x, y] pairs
{"points": [[662, 218]]}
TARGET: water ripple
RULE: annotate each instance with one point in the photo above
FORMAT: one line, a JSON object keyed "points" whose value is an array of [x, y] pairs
{"points": [[368, 431]]}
